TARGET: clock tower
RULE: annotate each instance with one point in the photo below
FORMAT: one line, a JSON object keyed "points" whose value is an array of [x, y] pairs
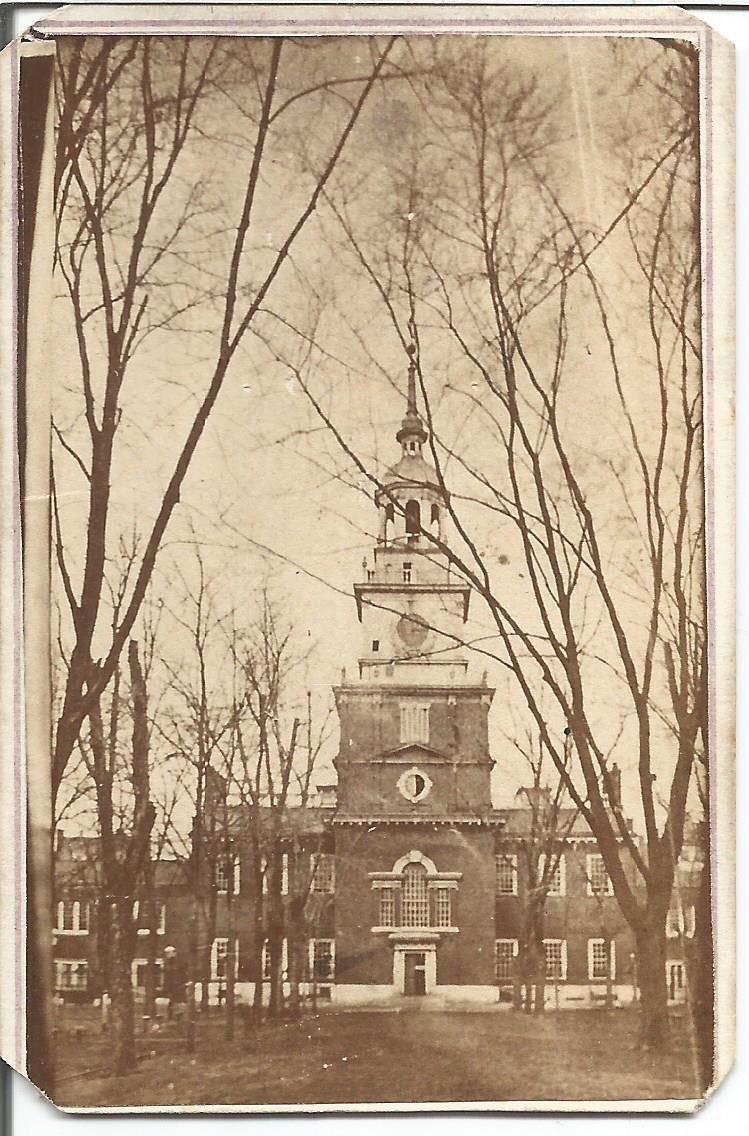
{"points": [[414, 823]]}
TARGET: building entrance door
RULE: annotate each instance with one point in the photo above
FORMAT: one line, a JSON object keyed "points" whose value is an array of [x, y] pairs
{"points": [[415, 973]]}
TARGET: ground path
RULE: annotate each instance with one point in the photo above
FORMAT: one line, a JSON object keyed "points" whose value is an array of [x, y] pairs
{"points": [[365, 1057]]}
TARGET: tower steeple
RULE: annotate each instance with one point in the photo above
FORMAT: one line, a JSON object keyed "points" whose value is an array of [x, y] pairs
{"points": [[412, 434]]}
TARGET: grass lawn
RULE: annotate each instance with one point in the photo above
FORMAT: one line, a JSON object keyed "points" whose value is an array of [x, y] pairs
{"points": [[395, 1057]]}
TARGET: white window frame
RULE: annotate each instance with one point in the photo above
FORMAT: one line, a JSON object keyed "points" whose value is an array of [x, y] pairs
{"points": [[216, 954], [589, 860], [443, 896], [592, 976], [386, 895], [314, 862], [514, 954], [506, 859], [284, 874], [160, 917], [63, 965], [560, 873], [562, 960], [76, 929], [159, 965], [265, 961], [680, 921], [671, 964], [311, 950], [414, 722]]}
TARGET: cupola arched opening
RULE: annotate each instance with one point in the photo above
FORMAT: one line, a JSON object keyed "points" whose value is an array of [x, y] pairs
{"points": [[413, 517]]}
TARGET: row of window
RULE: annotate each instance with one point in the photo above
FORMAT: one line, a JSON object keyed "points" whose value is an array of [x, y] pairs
{"points": [[601, 959], [406, 570], [321, 867], [72, 974], [597, 878], [320, 959], [74, 917]]}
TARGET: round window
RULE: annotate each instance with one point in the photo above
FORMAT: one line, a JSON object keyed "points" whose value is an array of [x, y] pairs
{"points": [[414, 784]]}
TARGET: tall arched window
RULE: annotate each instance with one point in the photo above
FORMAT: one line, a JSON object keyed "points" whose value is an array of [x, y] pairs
{"points": [[390, 512], [413, 516], [435, 514], [414, 896]]}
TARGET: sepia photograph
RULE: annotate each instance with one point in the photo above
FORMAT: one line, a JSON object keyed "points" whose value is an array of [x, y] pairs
{"points": [[367, 416]]}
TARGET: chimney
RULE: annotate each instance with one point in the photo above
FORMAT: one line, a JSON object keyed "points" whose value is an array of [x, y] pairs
{"points": [[327, 796], [537, 796]]}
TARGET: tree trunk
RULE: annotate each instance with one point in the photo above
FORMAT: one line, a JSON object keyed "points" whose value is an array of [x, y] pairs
{"points": [[609, 978], [651, 971], [701, 982], [231, 973], [192, 968], [121, 991], [149, 1008]]}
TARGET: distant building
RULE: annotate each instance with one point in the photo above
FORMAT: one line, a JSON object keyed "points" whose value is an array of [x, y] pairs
{"points": [[415, 882]]}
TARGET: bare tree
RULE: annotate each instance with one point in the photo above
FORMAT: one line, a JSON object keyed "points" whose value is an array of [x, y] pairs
{"points": [[489, 275], [542, 845], [128, 109]]}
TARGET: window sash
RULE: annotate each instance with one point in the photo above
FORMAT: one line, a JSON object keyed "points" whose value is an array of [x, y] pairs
{"points": [[505, 953], [72, 917], [601, 960], [599, 881], [71, 974], [160, 920], [322, 960], [443, 907], [284, 960], [556, 959], [140, 971], [387, 907], [414, 897], [558, 878], [507, 873], [322, 867]]}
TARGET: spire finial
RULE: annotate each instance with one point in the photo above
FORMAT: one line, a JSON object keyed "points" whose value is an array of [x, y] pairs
{"points": [[411, 410], [412, 434]]}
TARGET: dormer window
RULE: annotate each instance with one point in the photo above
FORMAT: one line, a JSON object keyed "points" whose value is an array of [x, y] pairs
{"points": [[406, 571]]}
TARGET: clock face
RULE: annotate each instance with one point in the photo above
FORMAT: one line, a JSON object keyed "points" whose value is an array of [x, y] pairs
{"points": [[414, 784], [412, 630]]}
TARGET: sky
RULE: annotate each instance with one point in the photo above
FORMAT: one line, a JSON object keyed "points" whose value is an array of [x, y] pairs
{"points": [[270, 497]]}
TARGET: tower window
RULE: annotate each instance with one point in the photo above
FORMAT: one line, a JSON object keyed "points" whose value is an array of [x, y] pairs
{"points": [[413, 517], [406, 571], [414, 722], [390, 512], [435, 513], [375, 644], [370, 574]]}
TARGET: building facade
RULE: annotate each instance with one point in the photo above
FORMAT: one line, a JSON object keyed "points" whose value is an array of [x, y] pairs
{"points": [[415, 884]]}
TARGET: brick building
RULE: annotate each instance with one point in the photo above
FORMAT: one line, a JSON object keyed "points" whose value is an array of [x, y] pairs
{"points": [[416, 883]]}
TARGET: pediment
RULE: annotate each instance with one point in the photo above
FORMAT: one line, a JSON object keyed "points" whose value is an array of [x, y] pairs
{"points": [[413, 752]]}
